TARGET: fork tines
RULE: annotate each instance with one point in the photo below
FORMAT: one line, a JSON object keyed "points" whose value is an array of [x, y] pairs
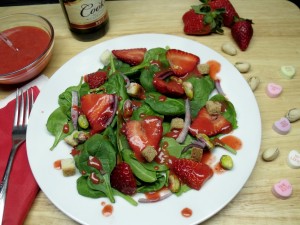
{"points": [[24, 103]]}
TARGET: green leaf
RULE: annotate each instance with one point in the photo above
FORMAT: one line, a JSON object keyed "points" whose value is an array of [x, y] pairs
{"points": [[167, 106], [202, 87], [55, 124], [137, 168], [84, 190]]}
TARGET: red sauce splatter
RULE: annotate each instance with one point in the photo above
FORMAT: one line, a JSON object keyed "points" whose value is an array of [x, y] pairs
{"points": [[30, 42], [75, 152], [66, 128], [232, 141], [186, 212], [152, 195], [107, 210], [218, 168], [95, 162], [57, 164], [214, 68], [174, 133], [208, 158], [103, 203], [162, 98]]}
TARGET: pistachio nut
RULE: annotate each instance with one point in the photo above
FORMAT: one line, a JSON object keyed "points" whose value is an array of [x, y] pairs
{"points": [[229, 49], [253, 82], [270, 154], [243, 67], [293, 114]]}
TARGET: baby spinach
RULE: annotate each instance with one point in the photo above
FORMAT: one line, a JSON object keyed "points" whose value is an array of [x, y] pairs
{"points": [[155, 186], [230, 113], [203, 88], [137, 168], [55, 125], [84, 189], [165, 105]]}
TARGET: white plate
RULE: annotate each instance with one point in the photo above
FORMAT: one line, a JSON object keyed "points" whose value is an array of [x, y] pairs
{"points": [[214, 195]]}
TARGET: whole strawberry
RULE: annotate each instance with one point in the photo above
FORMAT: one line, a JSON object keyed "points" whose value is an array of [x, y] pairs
{"points": [[201, 20], [228, 15], [242, 32], [123, 179]]}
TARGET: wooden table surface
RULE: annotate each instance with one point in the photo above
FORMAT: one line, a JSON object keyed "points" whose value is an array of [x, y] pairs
{"points": [[276, 42]]}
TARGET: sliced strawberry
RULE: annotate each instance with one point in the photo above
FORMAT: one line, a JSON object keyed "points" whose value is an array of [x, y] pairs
{"points": [[192, 173], [123, 179], [182, 62], [143, 133], [210, 125], [133, 56], [170, 88], [99, 109], [95, 79]]}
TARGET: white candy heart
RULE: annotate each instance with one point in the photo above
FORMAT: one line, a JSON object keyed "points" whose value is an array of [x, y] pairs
{"points": [[294, 159]]}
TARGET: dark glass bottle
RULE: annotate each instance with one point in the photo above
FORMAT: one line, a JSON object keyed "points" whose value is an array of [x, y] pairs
{"points": [[87, 19]]}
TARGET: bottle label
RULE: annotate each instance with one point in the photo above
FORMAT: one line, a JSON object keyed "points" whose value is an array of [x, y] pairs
{"points": [[84, 14]]}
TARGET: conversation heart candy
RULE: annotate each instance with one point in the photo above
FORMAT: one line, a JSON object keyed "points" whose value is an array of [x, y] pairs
{"points": [[283, 189], [288, 71], [293, 159], [282, 126], [273, 90]]}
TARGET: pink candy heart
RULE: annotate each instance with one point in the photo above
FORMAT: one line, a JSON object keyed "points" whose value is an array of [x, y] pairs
{"points": [[283, 189], [282, 126], [294, 159], [273, 90]]}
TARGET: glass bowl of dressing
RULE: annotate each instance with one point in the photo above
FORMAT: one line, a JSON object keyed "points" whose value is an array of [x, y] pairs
{"points": [[26, 45]]}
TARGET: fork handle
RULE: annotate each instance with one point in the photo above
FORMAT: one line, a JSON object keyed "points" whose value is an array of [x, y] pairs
{"points": [[4, 181]]}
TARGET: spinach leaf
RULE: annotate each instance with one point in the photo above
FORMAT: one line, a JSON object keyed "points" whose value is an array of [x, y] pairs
{"points": [[146, 77], [85, 190], [55, 124], [167, 106], [103, 185], [144, 109], [101, 148], [155, 186], [230, 113], [116, 85], [126, 197], [202, 87], [137, 168]]}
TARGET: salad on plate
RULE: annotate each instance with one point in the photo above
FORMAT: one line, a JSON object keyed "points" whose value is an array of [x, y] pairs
{"points": [[143, 124]]}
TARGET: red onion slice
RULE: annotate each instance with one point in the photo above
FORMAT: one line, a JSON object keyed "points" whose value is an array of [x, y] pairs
{"points": [[187, 122], [115, 106], [74, 109], [218, 87]]}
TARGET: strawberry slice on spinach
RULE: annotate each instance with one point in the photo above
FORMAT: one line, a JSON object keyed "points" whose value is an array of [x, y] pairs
{"points": [[143, 133], [190, 172], [99, 109], [212, 125]]}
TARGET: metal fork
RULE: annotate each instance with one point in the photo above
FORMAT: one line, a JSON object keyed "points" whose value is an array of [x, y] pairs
{"points": [[24, 103]]}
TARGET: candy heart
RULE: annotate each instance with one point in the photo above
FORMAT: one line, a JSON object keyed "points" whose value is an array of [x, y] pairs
{"points": [[293, 159], [273, 90], [283, 189], [282, 126]]}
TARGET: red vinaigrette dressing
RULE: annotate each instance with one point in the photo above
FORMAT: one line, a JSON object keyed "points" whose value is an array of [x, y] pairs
{"points": [[233, 142], [107, 209], [186, 212], [30, 43], [214, 68]]}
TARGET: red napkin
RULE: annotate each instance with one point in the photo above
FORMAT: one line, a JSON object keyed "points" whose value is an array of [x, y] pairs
{"points": [[22, 187]]}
